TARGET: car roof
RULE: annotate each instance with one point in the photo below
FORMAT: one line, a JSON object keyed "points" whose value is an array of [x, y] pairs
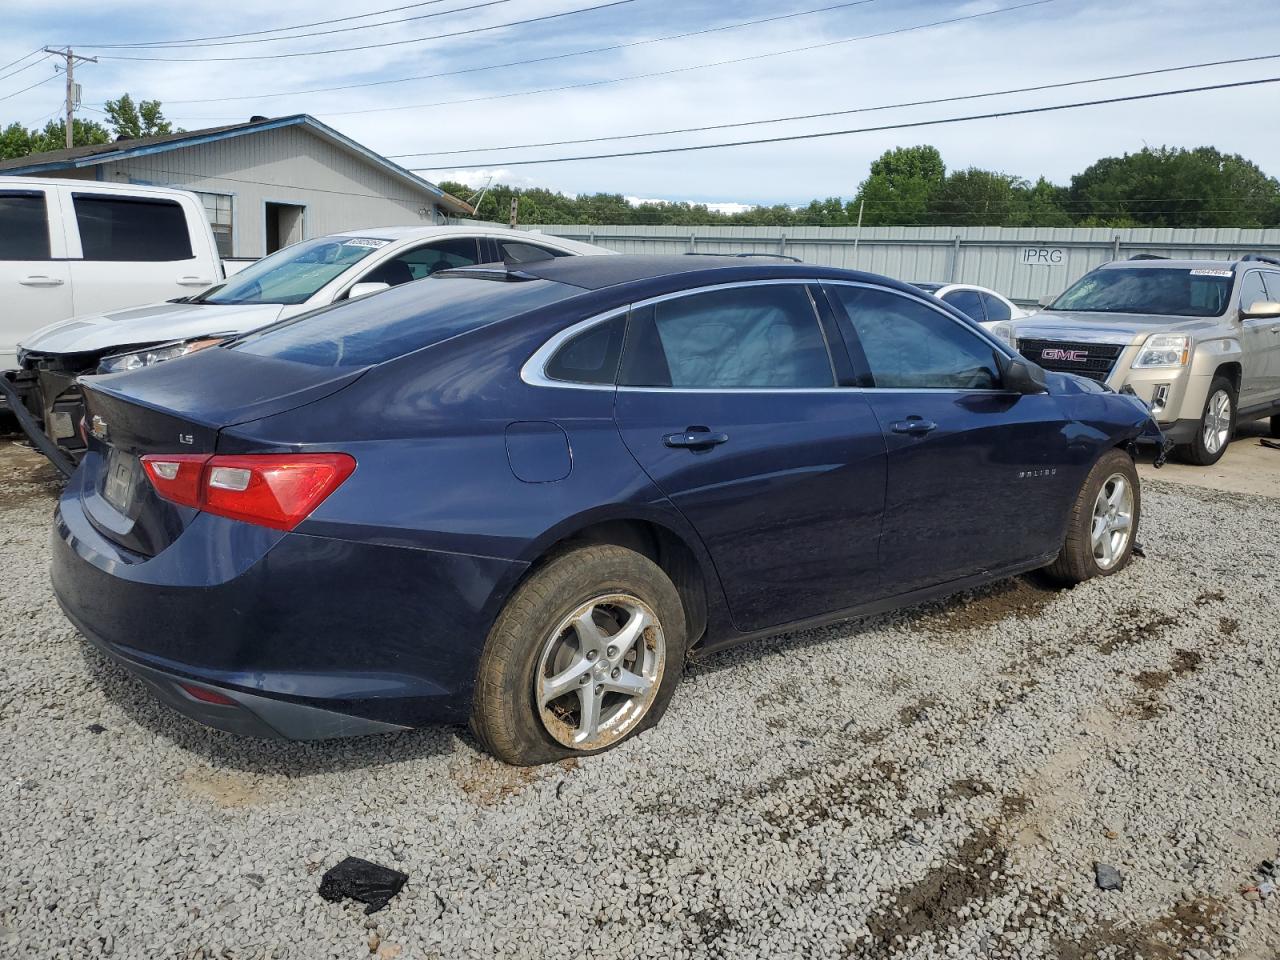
{"points": [[597, 273], [1158, 263], [444, 230]]}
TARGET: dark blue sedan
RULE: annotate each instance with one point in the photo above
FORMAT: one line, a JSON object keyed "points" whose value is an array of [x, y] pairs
{"points": [[521, 498]]}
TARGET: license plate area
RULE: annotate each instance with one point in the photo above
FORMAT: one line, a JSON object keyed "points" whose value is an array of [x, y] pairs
{"points": [[122, 473]]}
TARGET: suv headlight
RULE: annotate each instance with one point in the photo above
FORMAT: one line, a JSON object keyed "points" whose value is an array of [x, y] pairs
{"points": [[137, 359], [1164, 350], [1004, 333]]}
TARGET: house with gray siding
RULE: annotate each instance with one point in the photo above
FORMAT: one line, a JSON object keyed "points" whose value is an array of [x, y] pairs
{"points": [[265, 184]]}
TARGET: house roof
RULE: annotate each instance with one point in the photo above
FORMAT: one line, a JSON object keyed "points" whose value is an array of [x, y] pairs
{"points": [[93, 154]]}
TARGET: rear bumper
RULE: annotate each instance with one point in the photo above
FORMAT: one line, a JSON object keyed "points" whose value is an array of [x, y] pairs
{"points": [[310, 637]]}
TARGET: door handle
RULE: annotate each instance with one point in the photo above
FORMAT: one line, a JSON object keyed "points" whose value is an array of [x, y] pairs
{"points": [[914, 426], [40, 281], [193, 282], [695, 438]]}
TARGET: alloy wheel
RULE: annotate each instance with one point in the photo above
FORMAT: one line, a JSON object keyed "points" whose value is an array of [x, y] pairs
{"points": [[599, 671], [1112, 520], [1216, 430]]}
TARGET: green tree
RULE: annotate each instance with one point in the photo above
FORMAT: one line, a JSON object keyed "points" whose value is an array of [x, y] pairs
{"points": [[1173, 187], [17, 141], [132, 121], [898, 188]]}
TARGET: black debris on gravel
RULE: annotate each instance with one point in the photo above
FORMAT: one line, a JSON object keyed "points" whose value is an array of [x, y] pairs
{"points": [[1107, 877], [361, 880], [96, 728]]}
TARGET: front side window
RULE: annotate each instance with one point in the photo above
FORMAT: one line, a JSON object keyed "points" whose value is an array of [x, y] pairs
{"points": [[968, 302], [423, 261], [1252, 289], [591, 356], [757, 336], [296, 273], [1272, 281], [1163, 291], [24, 226], [909, 345], [130, 229], [217, 207]]}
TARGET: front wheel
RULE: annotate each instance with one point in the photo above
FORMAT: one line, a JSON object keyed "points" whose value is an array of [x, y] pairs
{"points": [[1217, 424], [586, 653], [1103, 523], [1275, 426]]}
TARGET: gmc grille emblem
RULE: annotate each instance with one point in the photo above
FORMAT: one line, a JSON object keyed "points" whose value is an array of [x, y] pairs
{"points": [[1056, 353]]}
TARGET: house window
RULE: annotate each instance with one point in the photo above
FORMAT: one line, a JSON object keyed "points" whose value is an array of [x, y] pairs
{"points": [[217, 207]]}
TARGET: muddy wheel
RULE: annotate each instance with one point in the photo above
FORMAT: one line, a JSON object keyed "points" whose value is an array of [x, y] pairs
{"points": [[586, 653], [1103, 524], [1217, 424]]}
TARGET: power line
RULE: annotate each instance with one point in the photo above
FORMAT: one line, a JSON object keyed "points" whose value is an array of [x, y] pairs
{"points": [[677, 70], [33, 63], [9, 96], [892, 126], [320, 33], [388, 43], [838, 113], [533, 60], [160, 44], [21, 58]]}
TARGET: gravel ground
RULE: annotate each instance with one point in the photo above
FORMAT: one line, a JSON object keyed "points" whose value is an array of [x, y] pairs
{"points": [[936, 783]]}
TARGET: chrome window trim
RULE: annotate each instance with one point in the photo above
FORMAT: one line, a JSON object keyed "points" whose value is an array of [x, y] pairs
{"points": [[533, 371]]}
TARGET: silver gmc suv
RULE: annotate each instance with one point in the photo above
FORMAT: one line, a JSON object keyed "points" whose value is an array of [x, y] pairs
{"points": [[1197, 340]]}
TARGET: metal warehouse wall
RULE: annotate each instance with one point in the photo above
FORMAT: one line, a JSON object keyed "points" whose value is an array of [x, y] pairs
{"points": [[340, 190], [1024, 264]]}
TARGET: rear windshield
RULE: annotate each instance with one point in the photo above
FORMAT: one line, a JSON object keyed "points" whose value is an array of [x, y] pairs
{"points": [[359, 333], [1163, 291]]}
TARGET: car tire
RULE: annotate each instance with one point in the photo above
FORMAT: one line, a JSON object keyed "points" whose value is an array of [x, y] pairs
{"points": [[1201, 450], [1275, 426], [558, 624], [1092, 547]]}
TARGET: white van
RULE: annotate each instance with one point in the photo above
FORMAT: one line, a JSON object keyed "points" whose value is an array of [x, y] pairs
{"points": [[71, 247]]}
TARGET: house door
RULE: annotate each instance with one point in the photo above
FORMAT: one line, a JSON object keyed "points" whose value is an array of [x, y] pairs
{"points": [[284, 225]]}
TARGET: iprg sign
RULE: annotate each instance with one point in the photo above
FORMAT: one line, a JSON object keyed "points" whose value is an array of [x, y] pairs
{"points": [[1042, 256]]}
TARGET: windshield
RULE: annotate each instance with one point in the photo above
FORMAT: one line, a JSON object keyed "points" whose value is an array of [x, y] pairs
{"points": [[1163, 291], [294, 274]]}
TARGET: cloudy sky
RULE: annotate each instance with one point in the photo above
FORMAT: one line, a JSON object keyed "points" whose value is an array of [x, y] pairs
{"points": [[471, 96]]}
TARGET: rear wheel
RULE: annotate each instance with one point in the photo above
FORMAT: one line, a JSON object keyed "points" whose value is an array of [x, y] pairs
{"points": [[586, 654], [1275, 426], [1104, 522], [1217, 424]]}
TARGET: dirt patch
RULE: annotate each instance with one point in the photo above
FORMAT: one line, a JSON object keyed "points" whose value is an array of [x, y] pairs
{"points": [[1196, 925], [913, 713], [227, 790], [1142, 626], [1228, 626], [488, 782], [969, 788], [1186, 661], [1153, 680], [934, 902], [1019, 598], [1207, 597], [26, 477]]}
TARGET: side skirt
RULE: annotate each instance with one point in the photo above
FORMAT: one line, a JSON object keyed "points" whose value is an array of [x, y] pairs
{"points": [[706, 647]]}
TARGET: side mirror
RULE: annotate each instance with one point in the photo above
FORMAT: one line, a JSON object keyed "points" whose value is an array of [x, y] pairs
{"points": [[1261, 308], [1047, 300], [1022, 376], [364, 289]]}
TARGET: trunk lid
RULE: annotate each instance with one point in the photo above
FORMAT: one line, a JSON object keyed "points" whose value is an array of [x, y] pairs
{"points": [[177, 407]]}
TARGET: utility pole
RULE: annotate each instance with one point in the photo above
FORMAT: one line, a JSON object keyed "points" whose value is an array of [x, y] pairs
{"points": [[515, 211], [73, 98]]}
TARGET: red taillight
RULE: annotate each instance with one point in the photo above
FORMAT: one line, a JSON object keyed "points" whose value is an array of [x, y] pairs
{"points": [[271, 490], [207, 695]]}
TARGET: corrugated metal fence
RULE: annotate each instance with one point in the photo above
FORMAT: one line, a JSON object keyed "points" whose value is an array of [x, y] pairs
{"points": [[1024, 264]]}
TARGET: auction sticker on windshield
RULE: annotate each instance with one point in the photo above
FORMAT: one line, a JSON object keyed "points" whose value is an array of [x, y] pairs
{"points": [[1211, 273], [364, 242]]}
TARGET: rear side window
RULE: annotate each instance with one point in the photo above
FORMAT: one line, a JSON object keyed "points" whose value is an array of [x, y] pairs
{"points": [[761, 336], [997, 309], [968, 302], [517, 251], [912, 346], [24, 226], [591, 356], [128, 229]]}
